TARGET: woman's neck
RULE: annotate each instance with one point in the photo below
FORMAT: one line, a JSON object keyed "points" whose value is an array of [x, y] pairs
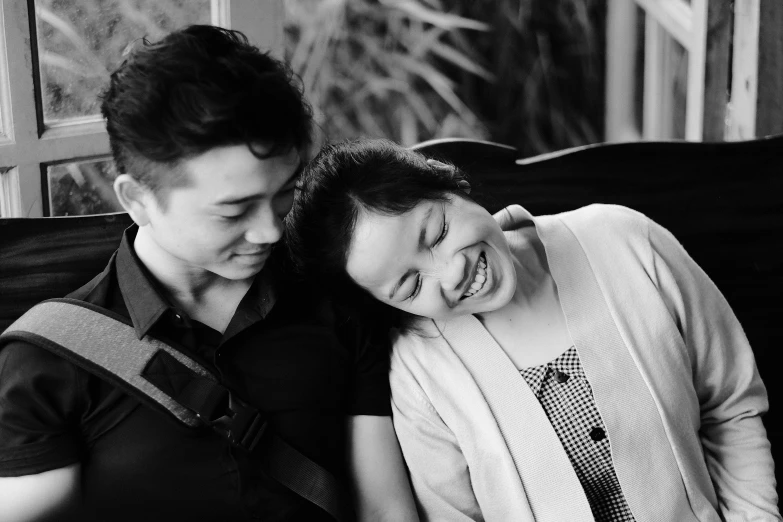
{"points": [[531, 328]]}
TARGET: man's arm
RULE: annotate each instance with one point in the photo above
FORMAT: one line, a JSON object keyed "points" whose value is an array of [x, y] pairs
{"points": [[44, 496], [382, 491]]}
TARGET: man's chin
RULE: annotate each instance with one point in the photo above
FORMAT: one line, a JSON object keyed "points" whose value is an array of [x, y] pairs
{"points": [[237, 271]]}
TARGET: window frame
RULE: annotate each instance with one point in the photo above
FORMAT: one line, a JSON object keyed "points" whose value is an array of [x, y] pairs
{"points": [[28, 146], [704, 30]]}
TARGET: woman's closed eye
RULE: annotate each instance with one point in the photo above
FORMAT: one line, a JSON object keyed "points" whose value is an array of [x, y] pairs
{"points": [[444, 230], [416, 289]]}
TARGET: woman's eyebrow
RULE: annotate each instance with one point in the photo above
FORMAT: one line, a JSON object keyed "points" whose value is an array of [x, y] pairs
{"points": [[422, 241]]}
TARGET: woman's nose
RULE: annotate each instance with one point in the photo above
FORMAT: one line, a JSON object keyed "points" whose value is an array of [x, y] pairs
{"points": [[453, 272]]}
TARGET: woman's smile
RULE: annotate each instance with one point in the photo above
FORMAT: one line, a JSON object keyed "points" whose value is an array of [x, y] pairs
{"points": [[480, 277]]}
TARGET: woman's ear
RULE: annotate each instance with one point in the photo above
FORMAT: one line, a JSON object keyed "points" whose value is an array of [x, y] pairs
{"points": [[134, 198], [464, 186]]}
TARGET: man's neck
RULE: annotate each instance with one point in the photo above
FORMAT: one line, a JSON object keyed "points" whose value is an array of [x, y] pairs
{"points": [[203, 295]]}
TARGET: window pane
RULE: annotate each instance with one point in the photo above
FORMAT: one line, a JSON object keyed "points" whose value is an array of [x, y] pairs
{"points": [[81, 41], [676, 88], [85, 187]]}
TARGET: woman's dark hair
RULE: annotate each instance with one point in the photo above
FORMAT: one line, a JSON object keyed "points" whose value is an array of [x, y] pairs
{"points": [[199, 88], [344, 179]]}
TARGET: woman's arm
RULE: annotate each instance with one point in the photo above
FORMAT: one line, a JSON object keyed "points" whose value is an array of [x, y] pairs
{"points": [[731, 395], [438, 469], [43, 496], [380, 482]]}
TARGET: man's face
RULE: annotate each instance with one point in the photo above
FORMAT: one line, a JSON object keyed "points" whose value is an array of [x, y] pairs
{"points": [[226, 219]]}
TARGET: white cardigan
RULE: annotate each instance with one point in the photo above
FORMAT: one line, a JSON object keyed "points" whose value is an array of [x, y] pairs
{"points": [[670, 368]]}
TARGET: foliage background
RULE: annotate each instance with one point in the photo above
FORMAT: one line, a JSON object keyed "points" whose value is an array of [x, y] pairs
{"points": [[527, 73]]}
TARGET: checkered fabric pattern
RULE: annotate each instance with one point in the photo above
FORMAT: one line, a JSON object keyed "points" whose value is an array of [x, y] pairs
{"points": [[562, 389]]}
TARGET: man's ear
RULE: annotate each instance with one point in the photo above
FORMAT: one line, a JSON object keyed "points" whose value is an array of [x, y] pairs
{"points": [[134, 198]]}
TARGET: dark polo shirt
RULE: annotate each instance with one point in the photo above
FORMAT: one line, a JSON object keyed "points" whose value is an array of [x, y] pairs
{"points": [[287, 351]]}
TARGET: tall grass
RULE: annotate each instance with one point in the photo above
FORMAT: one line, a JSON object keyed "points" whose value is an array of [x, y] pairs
{"points": [[376, 68], [548, 58], [524, 72]]}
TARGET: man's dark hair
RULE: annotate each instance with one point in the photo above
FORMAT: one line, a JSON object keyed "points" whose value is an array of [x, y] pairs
{"points": [[343, 180], [199, 88]]}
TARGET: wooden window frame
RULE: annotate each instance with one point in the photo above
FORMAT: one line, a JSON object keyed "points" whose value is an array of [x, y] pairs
{"points": [[704, 30], [28, 146]]}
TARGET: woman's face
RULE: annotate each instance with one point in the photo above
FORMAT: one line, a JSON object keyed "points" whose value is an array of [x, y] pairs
{"points": [[439, 260]]}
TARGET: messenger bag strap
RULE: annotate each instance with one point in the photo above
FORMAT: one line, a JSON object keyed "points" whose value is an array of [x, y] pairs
{"points": [[105, 344]]}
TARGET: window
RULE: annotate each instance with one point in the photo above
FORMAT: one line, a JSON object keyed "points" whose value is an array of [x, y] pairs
{"points": [[678, 69], [55, 57]]}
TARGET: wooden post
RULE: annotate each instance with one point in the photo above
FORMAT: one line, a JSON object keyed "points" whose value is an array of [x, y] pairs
{"points": [[769, 103], [744, 73]]}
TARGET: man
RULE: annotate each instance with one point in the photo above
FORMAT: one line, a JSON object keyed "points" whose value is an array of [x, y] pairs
{"points": [[208, 135]]}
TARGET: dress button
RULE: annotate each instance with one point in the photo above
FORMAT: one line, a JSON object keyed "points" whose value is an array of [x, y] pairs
{"points": [[597, 434], [561, 377]]}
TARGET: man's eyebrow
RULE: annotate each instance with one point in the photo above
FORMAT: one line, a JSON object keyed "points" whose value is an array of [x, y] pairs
{"points": [[245, 199], [422, 239], [238, 201]]}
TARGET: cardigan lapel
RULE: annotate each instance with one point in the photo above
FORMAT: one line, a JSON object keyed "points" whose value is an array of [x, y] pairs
{"points": [[552, 487], [636, 432]]}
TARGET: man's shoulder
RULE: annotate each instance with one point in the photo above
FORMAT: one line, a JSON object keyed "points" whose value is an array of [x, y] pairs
{"points": [[95, 290]]}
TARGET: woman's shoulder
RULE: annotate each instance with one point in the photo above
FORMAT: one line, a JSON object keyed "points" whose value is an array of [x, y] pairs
{"points": [[603, 213], [604, 222], [515, 217]]}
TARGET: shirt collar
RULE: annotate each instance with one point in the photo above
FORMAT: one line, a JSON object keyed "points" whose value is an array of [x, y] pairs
{"points": [[146, 301], [567, 362], [257, 303], [534, 376]]}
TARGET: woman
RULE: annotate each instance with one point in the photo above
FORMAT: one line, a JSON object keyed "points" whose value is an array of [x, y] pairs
{"points": [[571, 367]]}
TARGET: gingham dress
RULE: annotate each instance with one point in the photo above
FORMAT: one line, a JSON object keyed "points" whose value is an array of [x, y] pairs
{"points": [[562, 389]]}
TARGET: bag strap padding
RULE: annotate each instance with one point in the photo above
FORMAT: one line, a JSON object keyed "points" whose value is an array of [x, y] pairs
{"points": [[80, 332]]}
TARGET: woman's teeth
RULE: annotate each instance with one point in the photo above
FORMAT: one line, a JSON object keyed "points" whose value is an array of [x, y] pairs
{"points": [[480, 279]]}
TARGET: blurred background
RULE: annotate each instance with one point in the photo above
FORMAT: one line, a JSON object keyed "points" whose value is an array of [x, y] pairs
{"points": [[539, 75]]}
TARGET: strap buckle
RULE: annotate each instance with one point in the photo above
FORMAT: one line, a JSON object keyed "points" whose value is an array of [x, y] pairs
{"points": [[243, 425]]}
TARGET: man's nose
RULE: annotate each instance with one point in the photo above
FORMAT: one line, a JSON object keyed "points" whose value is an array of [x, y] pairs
{"points": [[265, 228]]}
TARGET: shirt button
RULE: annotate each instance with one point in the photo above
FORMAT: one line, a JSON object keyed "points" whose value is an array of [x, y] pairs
{"points": [[561, 377], [597, 434]]}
